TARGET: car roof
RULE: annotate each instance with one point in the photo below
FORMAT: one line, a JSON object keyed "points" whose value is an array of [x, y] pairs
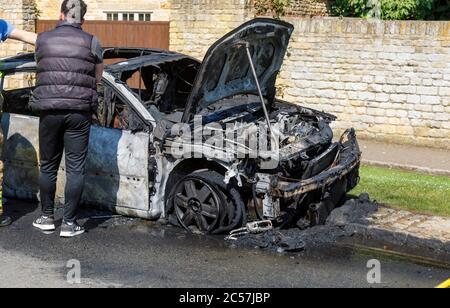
{"points": [[20, 63], [153, 59], [134, 58]]}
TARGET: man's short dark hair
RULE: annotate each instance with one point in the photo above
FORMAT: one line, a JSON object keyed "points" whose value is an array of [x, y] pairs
{"points": [[68, 8]]}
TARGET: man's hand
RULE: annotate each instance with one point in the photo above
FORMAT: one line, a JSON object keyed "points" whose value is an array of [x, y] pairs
{"points": [[23, 36]]}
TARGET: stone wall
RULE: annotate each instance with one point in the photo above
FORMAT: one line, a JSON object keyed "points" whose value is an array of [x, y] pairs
{"points": [[196, 24], [389, 80], [310, 7], [96, 8]]}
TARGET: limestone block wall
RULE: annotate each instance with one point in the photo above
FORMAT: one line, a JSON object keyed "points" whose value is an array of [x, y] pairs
{"points": [[196, 24], [390, 80]]}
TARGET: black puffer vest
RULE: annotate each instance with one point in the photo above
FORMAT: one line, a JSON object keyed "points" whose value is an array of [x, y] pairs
{"points": [[65, 70]]}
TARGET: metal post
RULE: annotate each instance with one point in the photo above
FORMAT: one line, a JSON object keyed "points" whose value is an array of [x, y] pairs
{"points": [[261, 96]]}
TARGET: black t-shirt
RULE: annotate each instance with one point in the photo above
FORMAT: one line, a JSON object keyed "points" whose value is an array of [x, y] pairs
{"points": [[97, 50]]}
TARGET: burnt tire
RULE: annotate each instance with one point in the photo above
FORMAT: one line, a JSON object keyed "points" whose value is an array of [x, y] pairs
{"points": [[318, 214], [202, 203]]}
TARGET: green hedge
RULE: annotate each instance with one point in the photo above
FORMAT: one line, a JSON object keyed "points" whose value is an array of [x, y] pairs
{"points": [[393, 9]]}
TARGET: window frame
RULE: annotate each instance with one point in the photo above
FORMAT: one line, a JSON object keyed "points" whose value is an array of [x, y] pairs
{"points": [[112, 85], [137, 15], [145, 17], [112, 16]]}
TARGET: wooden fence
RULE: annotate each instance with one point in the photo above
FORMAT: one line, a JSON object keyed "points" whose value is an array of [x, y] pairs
{"points": [[122, 33]]}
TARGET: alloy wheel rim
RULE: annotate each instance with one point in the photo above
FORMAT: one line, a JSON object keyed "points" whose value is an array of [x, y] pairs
{"points": [[197, 205]]}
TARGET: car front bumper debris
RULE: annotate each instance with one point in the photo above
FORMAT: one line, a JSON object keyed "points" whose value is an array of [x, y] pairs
{"points": [[344, 169]]}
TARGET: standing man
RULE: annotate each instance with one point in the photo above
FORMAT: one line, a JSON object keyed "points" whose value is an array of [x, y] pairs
{"points": [[7, 31], [69, 67]]}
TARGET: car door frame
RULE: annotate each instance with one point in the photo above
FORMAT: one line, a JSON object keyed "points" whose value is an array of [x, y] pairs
{"points": [[135, 203], [140, 208]]}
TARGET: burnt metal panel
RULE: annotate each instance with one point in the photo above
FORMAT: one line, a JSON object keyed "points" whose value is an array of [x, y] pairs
{"points": [[117, 170], [225, 70], [20, 156], [117, 166], [154, 59], [20, 63]]}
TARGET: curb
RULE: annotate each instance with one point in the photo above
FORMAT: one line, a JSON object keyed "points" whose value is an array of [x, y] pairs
{"points": [[424, 170], [399, 238], [368, 220]]}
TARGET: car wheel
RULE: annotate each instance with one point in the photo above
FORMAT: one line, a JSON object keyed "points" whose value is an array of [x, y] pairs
{"points": [[203, 203]]}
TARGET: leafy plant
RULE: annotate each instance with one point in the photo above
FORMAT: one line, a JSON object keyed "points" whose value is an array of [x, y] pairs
{"points": [[351, 8], [441, 10], [275, 7], [36, 11], [404, 9], [393, 9]]}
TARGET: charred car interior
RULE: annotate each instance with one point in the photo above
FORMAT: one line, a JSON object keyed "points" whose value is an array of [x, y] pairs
{"points": [[145, 93]]}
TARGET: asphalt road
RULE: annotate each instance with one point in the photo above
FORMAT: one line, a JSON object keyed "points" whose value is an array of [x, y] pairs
{"points": [[132, 253]]}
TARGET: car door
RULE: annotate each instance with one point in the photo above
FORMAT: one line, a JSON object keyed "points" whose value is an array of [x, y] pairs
{"points": [[117, 163]]}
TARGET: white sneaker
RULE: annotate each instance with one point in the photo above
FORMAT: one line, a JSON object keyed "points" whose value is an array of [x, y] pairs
{"points": [[45, 223], [71, 229]]}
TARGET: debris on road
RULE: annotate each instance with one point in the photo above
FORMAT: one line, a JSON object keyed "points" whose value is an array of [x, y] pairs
{"points": [[271, 240], [365, 220], [251, 228], [353, 212]]}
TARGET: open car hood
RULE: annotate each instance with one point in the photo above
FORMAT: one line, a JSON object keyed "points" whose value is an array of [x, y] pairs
{"points": [[226, 71]]}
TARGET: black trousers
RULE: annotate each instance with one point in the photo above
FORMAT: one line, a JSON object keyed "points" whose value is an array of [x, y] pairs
{"points": [[61, 131]]}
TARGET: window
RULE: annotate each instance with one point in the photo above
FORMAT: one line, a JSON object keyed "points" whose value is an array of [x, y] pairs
{"points": [[16, 93], [145, 17], [112, 16], [114, 112], [128, 16], [19, 80]]}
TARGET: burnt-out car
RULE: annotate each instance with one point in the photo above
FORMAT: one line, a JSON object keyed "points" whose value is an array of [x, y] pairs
{"points": [[149, 153]]}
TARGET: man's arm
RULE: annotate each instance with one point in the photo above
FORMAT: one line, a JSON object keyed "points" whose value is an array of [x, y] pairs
{"points": [[8, 31], [99, 72], [24, 36]]}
